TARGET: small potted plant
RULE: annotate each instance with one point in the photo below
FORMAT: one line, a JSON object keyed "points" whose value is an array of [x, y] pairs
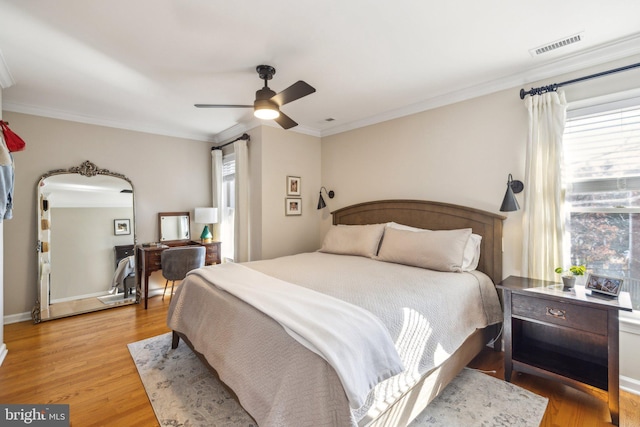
{"points": [[569, 275]]}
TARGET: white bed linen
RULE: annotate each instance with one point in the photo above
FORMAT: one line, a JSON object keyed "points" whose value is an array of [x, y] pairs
{"points": [[354, 342], [428, 314]]}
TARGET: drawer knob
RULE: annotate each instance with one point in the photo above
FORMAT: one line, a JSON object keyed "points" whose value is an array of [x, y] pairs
{"points": [[557, 313]]}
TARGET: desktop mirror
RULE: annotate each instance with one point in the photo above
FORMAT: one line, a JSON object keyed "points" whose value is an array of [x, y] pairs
{"points": [[174, 226], [85, 226]]}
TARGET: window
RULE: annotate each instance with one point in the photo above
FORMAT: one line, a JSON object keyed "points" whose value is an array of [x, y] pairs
{"points": [[228, 206], [601, 176]]}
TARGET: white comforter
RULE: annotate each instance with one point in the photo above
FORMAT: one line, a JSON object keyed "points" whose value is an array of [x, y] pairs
{"points": [[279, 382], [354, 341]]}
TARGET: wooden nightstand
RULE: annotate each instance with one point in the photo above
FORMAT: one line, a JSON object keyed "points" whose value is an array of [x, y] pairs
{"points": [[213, 253], [571, 337]]}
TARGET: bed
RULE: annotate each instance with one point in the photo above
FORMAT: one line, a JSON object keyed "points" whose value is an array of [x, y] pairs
{"points": [[281, 382]]}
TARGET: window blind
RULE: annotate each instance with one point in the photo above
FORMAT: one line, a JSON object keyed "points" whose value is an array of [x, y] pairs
{"points": [[229, 166], [602, 151]]}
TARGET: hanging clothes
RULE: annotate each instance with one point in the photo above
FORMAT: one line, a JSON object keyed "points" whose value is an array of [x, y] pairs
{"points": [[7, 176]]}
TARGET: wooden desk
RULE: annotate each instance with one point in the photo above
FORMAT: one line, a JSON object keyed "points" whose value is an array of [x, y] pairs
{"points": [[570, 337], [148, 260]]}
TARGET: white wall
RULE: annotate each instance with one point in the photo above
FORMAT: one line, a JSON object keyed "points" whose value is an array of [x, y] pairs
{"points": [[168, 174], [462, 154], [289, 154], [459, 154], [274, 155]]}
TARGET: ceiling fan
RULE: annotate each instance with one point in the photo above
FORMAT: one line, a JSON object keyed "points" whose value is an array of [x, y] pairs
{"points": [[267, 104]]}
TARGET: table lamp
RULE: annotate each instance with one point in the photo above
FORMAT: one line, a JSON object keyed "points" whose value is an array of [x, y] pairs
{"points": [[206, 216]]}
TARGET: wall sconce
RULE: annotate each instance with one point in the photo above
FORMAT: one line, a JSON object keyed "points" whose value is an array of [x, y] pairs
{"points": [[510, 203], [321, 203], [205, 216]]}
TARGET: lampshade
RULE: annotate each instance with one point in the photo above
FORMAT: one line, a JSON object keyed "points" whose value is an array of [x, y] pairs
{"points": [[265, 109], [321, 203], [205, 215], [510, 203]]}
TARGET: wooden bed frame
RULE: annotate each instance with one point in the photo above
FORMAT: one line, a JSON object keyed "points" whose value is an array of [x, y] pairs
{"points": [[433, 216]]}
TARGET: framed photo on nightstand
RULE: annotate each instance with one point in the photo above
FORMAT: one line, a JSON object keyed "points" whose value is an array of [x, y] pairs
{"points": [[610, 286]]}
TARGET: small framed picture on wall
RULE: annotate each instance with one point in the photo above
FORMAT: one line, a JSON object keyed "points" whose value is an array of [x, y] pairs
{"points": [[292, 206], [121, 226], [293, 186]]}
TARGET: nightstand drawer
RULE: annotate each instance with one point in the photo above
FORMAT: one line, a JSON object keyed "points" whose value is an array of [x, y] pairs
{"points": [[212, 255], [560, 313]]}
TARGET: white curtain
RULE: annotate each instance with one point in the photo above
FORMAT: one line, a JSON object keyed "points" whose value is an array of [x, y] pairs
{"points": [[543, 222], [241, 226], [216, 189]]}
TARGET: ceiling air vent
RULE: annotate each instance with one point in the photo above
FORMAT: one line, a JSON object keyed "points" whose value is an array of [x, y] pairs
{"points": [[556, 45]]}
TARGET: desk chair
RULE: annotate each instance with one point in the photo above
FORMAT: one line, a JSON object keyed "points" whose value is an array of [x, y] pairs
{"points": [[177, 262]]}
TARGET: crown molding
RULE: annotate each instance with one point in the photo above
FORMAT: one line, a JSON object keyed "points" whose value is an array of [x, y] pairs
{"points": [[305, 130], [6, 79], [233, 131], [240, 128], [65, 115], [613, 51]]}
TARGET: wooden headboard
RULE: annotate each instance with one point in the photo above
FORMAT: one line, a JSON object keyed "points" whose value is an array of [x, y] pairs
{"points": [[434, 216]]}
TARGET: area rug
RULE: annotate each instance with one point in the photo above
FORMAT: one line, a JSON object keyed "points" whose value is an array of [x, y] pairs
{"points": [[183, 392]]}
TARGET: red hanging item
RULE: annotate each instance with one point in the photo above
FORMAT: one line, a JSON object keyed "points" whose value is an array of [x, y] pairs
{"points": [[13, 141]]}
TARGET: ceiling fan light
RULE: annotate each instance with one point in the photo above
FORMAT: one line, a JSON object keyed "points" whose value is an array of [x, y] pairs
{"points": [[266, 113], [265, 110]]}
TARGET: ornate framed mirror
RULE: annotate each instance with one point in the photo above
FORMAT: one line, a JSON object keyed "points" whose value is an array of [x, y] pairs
{"points": [[86, 242]]}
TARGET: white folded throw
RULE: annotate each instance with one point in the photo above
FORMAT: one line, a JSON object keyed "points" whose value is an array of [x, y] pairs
{"points": [[351, 339]]}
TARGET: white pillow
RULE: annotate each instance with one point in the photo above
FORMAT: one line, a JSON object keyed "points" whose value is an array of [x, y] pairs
{"points": [[441, 250], [471, 250], [472, 253], [362, 240]]}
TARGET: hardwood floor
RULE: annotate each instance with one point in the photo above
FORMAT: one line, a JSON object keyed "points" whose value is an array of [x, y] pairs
{"points": [[84, 361], [567, 406]]}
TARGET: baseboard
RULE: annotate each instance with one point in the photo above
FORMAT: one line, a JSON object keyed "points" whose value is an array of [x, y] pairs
{"points": [[629, 323], [15, 318], [630, 385], [21, 317]]}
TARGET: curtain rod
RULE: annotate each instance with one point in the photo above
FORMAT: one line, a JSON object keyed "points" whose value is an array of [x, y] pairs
{"points": [[243, 137], [553, 87]]}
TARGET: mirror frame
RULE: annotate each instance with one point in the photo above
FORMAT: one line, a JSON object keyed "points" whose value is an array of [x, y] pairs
{"points": [[88, 169], [161, 214]]}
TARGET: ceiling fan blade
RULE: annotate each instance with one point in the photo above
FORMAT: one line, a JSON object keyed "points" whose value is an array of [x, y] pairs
{"points": [[293, 92], [285, 121], [222, 106]]}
